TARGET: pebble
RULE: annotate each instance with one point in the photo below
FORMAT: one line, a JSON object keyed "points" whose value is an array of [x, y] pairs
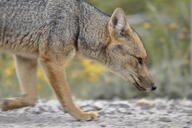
{"points": [[145, 104], [110, 110], [98, 106], [88, 108], [188, 111], [122, 110], [36, 111], [103, 125], [165, 119], [160, 106], [122, 104]]}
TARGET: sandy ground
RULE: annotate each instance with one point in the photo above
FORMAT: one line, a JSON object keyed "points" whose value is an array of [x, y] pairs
{"points": [[113, 114]]}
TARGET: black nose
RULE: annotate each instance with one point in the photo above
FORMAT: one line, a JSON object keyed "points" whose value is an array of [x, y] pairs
{"points": [[153, 87]]}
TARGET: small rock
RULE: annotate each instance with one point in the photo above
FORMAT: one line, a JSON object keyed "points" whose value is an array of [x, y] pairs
{"points": [[129, 113], [50, 109], [103, 125], [142, 113], [35, 111], [122, 104], [88, 108], [60, 108], [42, 101], [52, 106], [160, 106], [102, 112], [170, 111], [188, 111], [186, 103], [122, 110], [165, 119], [189, 122], [109, 110], [151, 112], [145, 104], [98, 106], [42, 108]]}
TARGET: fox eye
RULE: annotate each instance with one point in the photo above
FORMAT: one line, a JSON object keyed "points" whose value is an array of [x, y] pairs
{"points": [[140, 61], [125, 34]]}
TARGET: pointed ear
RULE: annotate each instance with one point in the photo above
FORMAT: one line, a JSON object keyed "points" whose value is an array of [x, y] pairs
{"points": [[118, 21]]}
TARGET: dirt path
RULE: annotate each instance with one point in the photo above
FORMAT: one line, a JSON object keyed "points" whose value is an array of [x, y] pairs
{"points": [[113, 114]]}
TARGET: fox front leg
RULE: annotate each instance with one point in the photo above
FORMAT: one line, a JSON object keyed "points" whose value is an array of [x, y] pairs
{"points": [[56, 76]]}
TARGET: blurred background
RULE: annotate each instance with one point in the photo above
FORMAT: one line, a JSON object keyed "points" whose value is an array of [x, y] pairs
{"points": [[164, 26]]}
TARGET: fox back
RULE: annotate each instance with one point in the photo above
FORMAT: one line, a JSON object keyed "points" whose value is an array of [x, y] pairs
{"points": [[27, 24]]}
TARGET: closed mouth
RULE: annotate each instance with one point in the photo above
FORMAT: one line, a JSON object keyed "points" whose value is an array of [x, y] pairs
{"points": [[140, 88]]}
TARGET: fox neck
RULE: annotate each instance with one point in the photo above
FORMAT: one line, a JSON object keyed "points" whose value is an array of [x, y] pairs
{"points": [[92, 33]]}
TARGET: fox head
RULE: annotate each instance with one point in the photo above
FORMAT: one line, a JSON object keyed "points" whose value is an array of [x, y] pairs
{"points": [[126, 52]]}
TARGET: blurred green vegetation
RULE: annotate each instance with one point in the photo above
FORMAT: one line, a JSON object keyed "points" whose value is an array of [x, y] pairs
{"points": [[166, 35]]}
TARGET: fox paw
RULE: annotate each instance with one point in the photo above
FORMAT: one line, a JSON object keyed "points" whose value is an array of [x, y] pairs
{"points": [[14, 103], [4, 105], [88, 116]]}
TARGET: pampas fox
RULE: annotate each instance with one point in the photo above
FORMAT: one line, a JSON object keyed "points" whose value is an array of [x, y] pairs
{"points": [[53, 31]]}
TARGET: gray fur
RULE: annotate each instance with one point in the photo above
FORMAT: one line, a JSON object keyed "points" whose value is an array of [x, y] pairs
{"points": [[26, 25]]}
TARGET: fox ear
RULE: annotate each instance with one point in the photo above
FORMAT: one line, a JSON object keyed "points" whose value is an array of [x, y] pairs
{"points": [[118, 21]]}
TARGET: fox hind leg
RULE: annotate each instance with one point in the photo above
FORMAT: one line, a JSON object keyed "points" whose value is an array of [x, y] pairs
{"points": [[26, 73]]}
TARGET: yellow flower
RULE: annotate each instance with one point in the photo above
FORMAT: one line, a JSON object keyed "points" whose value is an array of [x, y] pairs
{"points": [[41, 75], [9, 71], [90, 66], [92, 69], [147, 25], [173, 26]]}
